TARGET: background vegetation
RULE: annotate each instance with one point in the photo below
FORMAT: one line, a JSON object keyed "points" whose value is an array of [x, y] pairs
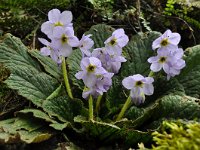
{"points": [[23, 19]]}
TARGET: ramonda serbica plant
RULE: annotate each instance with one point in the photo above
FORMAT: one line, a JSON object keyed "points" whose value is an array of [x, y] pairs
{"points": [[80, 90]]}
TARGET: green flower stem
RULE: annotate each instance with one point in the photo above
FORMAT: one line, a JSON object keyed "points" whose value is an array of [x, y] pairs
{"points": [[64, 70], [98, 103], [151, 74], [91, 116], [124, 108]]}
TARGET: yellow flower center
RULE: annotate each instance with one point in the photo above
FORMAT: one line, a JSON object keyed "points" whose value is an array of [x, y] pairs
{"points": [[113, 42], [162, 60], [91, 68], [164, 42], [64, 39], [139, 84], [58, 24]]}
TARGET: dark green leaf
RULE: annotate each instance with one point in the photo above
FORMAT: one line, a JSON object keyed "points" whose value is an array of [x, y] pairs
{"points": [[73, 62], [35, 136], [100, 33], [190, 75], [38, 114], [64, 108], [49, 65], [31, 84], [26, 74], [14, 53], [138, 50], [27, 130]]}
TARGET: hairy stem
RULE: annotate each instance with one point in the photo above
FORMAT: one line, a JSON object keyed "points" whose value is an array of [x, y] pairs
{"points": [[124, 108], [91, 116], [98, 103], [67, 85]]}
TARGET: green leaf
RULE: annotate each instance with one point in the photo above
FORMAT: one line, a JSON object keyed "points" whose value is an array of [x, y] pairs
{"points": [[171, 107], [60, 126], [115, 95], [110, 133], [35, 136], [13, 52], [178, 107], [137, 51], [31, 84], [104, 131], [73, 62], [26, 74], [100, 33], [19, 129], [64, 108], [24, 122], [41, 115], [133, 137], [8, 138], [37, 114], [190, 75], [168, 107], [49, 65]]}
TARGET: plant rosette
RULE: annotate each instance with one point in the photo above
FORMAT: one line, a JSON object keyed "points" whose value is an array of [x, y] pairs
{"points": [[102, 88]]}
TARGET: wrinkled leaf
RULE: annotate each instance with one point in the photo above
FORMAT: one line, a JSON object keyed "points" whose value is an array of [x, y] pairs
{"points": [[137, 51], [64, 108], [17, 130], [38, 114], [15, 53], [190, 75], [26, 74], [49, 65], [35, 136], [100, 33], [73, 62], [32, 85]]}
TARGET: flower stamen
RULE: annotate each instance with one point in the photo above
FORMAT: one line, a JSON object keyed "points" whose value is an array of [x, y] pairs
{"points": [[164, 42], [139, 84], [91, 68], [64, 39], [113, 42], [58, 24], [162, 60]]}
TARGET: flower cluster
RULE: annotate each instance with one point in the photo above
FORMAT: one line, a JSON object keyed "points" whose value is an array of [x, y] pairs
{"points": [[99, 66], [60, 31], [169, 56], [96, 79]]}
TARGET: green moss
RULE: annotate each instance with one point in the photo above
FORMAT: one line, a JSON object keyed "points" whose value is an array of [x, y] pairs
{"points": [[177, 136]]}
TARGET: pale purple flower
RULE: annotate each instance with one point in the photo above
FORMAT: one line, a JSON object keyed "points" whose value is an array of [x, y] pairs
{"points": [[170, 62], [64, 39], [50, 50], [86, 44], [139, 86], [160, 61], [56, 18], [167, 41], [111, 63], [91, 69], [102, 84], [175, 68], [116, 42]]}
